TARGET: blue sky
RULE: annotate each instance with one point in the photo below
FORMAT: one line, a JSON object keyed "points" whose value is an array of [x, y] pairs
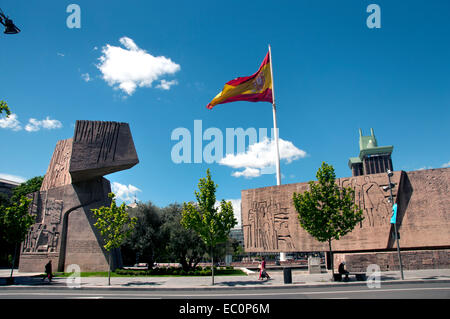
{"points": [[332, 76]]}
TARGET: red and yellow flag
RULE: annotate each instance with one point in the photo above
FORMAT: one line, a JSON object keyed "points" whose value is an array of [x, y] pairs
{"points": [[254, 88]]}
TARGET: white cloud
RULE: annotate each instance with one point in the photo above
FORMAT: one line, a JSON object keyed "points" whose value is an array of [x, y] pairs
{"points": [[446, 164], [86, 77], [11, 122], [13, 178], [165, 85], [260, 158], [48, 124], [132, 67], [124, 192], [60, 54], [248, 172], [33, 125]]}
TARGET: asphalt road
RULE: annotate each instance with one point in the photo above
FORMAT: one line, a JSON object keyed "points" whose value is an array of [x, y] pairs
{"points": [[386, 291]]}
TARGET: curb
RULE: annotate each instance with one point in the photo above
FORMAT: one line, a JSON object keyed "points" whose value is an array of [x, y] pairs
{"points": [[215, 288]]}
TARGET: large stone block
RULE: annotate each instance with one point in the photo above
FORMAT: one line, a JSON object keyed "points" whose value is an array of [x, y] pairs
{"points": [[388, 260], [270, 221], [101, 148], [72, 186]]}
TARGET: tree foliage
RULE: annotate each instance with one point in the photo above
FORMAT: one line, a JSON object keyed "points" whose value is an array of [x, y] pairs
{"points": [[160, 237], [144, 243], [4, 108], [181, 244], [326, 211], [114, 223], [8, 249], [15, 221], [30, 186], [211, 223]]}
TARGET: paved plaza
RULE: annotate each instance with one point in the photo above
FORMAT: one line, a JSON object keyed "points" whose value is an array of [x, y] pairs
{"points": [[300, 278]]}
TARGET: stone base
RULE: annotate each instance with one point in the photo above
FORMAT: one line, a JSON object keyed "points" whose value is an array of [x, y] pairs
{"points": [[411, 260], [314, 265], [35, 262], [66, 234]]}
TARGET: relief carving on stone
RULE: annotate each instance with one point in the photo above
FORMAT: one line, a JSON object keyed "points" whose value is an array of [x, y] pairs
{"points": [[44, 235], [74, 179], [371, 198], [41, 238], [270, 221], [268, 226]]}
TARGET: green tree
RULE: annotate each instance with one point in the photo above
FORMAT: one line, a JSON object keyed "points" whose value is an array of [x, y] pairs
{"points": [[145, 242], [4, 107], [15, 222], [114, 225], [4, 199], [211, 223], [327, 212], [30, 186], [182, 245]]}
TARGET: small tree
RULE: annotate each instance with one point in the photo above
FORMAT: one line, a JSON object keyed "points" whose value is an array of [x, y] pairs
{"points": [[212, 224], [114, 225], [327, 211], [15, 221], [4, 107]]}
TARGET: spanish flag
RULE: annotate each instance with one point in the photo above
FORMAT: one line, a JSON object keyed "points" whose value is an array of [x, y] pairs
{"points": [[253, 88]]}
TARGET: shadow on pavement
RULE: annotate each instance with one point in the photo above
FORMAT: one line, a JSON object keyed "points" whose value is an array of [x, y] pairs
{"points": [[243, 283], [28, 280], [142, 283]]}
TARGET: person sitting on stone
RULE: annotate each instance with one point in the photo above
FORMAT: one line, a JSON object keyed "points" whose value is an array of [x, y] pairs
{"points": [[343, 271]]}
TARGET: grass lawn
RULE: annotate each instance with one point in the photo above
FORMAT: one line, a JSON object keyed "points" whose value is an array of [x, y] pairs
{"points": [[234, 272]]}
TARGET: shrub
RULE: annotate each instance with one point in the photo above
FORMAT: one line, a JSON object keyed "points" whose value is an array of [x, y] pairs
{"points": [[197, 271]]}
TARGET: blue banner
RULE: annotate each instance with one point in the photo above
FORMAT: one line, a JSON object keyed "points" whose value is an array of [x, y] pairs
{"points": [[394, 214]]}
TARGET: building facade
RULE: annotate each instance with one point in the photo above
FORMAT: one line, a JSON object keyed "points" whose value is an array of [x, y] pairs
{"points": [[6, 186], [372, 159]]}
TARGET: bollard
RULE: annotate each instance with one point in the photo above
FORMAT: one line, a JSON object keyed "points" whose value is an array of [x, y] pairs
{"points": [[287, 274]]}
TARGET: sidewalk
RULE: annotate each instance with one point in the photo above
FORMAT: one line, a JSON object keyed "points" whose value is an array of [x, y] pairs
{"points": [[300, 278]]}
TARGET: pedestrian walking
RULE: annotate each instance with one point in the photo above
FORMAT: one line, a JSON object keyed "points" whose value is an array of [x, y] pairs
{"points": [[262, 270], [48, 271]]}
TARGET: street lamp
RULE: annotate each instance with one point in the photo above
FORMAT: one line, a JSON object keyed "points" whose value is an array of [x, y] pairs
{"points": [[10, 27], [394, 217]]}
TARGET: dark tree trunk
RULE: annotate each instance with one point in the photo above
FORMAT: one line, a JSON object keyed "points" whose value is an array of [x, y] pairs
{"points": [[212, 266], [331, 259]]}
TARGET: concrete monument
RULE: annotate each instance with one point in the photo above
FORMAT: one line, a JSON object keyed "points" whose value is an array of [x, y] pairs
{"points": [[270, 221], [72, 186]]}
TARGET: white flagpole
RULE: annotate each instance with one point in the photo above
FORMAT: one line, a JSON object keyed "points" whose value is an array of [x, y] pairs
{"points": [[275, 122], [282, 254]]}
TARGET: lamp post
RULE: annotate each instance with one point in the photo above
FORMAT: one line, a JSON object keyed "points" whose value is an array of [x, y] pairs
{"points": [[394, 219], [10, 27]]}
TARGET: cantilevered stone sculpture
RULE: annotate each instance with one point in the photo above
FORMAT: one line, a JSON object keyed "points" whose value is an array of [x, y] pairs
{"points": [[72, 186]]}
